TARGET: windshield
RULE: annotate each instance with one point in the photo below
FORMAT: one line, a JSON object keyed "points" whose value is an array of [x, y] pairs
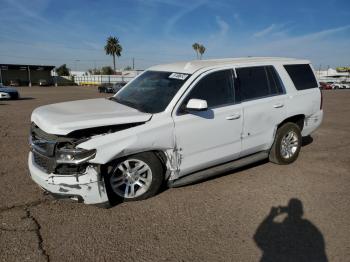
{"points": [[152, 91]]}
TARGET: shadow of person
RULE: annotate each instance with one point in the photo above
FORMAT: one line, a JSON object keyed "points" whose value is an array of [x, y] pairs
{"points": [[294, 239]]}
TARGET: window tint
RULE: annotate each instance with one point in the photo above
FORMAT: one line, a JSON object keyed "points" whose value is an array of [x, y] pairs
{"points": [[302, 76], [216, 88], [274, 80], [259, 81]]}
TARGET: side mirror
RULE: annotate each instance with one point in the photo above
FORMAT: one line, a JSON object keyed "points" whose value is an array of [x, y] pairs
{"points": [[197, 105]]}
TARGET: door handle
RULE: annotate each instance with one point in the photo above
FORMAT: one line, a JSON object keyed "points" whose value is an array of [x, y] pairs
{"points": [[278, 105], [233, 117]]}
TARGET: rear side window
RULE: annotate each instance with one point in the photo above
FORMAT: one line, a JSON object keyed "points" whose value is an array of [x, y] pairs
{"points": [[216, 88], [302, 76], [258, 82]]}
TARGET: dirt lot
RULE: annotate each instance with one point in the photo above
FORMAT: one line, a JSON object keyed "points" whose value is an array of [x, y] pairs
{"points": [[212, 221]]}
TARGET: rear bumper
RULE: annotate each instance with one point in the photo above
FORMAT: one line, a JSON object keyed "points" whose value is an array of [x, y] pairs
{"points": [[88, 187], [311, 123]]}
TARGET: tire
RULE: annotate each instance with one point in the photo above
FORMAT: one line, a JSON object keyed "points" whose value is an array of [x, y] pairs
{"points": [[136, 177], [286, 147]]}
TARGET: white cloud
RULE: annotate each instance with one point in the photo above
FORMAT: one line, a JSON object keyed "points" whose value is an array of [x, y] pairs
{"points": [[180, 14], [267, 30], [237, 18], [30, 9], [319, 47], [223, 26]]}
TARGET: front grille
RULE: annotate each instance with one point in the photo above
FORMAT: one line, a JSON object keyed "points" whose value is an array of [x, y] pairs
{"points": [[46, 164], [66, 169], [44, 147]]}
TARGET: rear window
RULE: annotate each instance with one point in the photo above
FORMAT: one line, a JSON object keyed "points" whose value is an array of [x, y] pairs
{"points": [[302, 76]]}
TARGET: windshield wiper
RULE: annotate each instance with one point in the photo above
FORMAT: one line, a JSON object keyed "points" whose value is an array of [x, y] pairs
{"points": [[127, 103]]}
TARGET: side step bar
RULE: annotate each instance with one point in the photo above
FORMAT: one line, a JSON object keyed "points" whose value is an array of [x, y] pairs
{"points": [[212, 171]]}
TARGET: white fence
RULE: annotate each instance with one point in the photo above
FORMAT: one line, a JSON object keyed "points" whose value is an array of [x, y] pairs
{"points": [[100, 79]]}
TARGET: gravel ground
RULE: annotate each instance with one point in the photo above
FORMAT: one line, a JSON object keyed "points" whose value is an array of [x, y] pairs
{"points": [[224, 219]]}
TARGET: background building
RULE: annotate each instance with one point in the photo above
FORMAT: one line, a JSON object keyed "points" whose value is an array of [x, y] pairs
{"points": [[14, 74]]}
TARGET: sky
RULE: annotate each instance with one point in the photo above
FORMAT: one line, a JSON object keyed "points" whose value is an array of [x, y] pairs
{"points": [[151, 32]]}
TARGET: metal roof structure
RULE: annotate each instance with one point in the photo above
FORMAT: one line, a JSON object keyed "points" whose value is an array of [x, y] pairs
{"points": [[25, 67]]}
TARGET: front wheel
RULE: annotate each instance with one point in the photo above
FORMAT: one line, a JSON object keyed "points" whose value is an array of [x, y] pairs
{"points": [[135, 177], [287, 144]]}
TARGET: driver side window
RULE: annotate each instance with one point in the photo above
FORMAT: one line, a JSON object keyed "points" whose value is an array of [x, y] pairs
{"points": [[216, 88]]}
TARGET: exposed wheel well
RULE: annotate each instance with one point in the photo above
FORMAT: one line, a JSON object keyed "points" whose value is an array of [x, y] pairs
{"points": [[297, 119], [158, 153]]}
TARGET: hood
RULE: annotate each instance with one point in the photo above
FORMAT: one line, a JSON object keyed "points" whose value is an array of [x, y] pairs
{"points": [[63, 118], [7, 89]]}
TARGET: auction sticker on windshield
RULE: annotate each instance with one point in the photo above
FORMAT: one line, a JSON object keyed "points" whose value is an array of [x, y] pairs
{"points": [[178, 76]]}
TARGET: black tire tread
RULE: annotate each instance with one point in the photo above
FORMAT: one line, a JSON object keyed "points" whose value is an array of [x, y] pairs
{"points": [[157, 177], [275, 155]]}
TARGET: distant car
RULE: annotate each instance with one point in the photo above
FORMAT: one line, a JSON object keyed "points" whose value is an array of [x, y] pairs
{"points": [[14, 83], [43, 82], [111, 88], [340, 86], [336, 86], [325, 86], [8, 93]]}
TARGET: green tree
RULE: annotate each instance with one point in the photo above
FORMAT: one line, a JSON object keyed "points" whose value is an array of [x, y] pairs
{"points": [[62, 70], [195, 47], [113, 48], [128, 68], [201, 51], [107, 70]]}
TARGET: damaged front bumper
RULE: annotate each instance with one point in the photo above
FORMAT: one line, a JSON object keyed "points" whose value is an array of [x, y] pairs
{"points": [[88, 187]]}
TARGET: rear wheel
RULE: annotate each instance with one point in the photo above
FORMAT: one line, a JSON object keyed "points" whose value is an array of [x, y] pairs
{"points": [[287, 144], [135, 177]]}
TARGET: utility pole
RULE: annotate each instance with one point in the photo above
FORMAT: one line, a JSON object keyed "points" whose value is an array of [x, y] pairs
{"points": [[30, 81], [0, 77], [327, 70], [133, 63]]}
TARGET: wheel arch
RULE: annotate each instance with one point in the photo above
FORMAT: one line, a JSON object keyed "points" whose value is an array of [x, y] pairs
{"points": [[296, 119], [160, 154]]}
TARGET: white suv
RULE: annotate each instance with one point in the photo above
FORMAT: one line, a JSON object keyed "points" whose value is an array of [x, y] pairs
{"points": [[175, 124]]}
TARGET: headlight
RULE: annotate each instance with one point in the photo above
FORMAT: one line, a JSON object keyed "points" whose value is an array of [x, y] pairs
{"points": [[4, 95], [74, 156]]}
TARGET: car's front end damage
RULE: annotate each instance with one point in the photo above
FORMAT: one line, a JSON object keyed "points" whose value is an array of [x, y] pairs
{"points": [[72, 143], [57, 161], [58, 166]]}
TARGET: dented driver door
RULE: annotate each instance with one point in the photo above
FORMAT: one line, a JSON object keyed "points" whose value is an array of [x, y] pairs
{"points": [[213, 136]]}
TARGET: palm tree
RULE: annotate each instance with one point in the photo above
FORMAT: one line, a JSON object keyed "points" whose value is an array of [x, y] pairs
{"points": [[113, 48], [196, 46], [201, 50]]}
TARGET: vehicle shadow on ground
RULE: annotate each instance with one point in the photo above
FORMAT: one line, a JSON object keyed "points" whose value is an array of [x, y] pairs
{"points": [[293, 239], [26, 98], [307, 140]]}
